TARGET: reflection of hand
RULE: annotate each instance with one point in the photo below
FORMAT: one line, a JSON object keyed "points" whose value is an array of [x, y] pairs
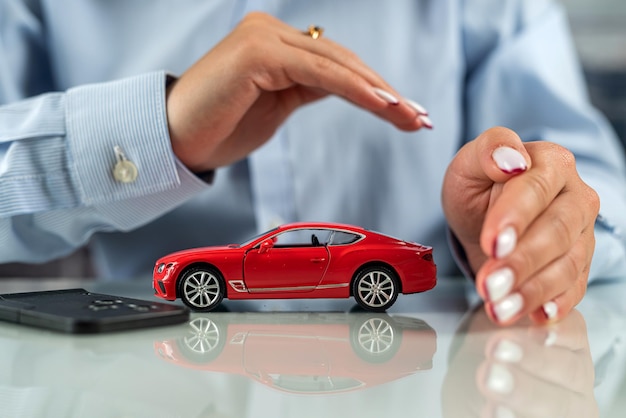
{"points": [[233, 99], [521, 371], [525, 220]]}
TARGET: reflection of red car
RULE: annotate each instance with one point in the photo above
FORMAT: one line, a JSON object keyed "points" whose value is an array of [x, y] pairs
{"points": [[306, 353], [301, 260]]}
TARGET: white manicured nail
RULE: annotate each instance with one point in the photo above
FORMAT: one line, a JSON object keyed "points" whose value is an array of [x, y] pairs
{"points": [[500, 379], [386, 96], [551, 310], [509, 160], [505, 243], [421, 110], [508, 352], [499, 284], [425, 121], [508, 307]]}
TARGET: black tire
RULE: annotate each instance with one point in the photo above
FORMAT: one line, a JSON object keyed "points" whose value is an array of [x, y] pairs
{"points": [[375, 288], [201, 288]]}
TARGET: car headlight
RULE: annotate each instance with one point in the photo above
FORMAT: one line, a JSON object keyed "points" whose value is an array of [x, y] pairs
{"points": [[161, 268]]}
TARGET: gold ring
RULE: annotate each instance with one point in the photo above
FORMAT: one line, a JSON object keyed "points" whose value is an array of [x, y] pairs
{"points": [[315, 31]]}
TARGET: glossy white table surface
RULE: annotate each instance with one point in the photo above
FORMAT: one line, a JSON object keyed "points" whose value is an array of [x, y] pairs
{"points": [[433, 355]]}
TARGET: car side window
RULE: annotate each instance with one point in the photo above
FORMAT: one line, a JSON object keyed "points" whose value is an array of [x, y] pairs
{"points": [[302, 238], [322, 235], [343, 238]]}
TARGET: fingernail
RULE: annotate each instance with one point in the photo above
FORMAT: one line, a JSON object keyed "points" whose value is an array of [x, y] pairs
{"points": [[499, 284], [426, 122], [550, 309], [421, 110], [508, 307], [500, 379], [386, 96], [508, 352], [505, 242], [509, 160]]}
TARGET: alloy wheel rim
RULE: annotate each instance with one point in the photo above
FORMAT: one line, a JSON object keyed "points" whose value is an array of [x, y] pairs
{"points": [[202, 289], [376, 288]]}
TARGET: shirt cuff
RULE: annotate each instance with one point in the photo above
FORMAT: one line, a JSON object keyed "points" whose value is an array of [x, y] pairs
{"points": [[137, 211], [130, 114], [459, 256], [609, 257]]}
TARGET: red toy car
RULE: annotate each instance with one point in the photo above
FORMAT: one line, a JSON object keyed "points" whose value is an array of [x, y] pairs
{"points": [[299, 260]]}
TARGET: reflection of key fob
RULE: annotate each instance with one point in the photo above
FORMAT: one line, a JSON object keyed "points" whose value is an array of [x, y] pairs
{"points": [[81, 312]]}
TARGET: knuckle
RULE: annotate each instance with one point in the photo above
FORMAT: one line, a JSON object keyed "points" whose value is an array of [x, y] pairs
{"points": [[589, 249], [322, 66], [256, 17], [542, 187], [593, 200], [252, 25], [561, 155], [562, 230], [567, 158], [581, 287], [571, 266]]}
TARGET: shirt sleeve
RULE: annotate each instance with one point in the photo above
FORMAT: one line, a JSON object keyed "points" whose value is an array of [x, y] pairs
{"points": [[57, 151], [523, 73]]}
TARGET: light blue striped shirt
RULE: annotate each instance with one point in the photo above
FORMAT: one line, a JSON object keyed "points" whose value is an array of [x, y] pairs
{"points": [[79, 77]]}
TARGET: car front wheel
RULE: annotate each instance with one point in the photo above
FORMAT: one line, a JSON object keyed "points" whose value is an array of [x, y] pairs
{"points": [[375, 288], [201, 288]]}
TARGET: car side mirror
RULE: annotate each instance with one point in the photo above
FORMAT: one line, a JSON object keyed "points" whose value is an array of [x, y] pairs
{"points": [[266, 245]]}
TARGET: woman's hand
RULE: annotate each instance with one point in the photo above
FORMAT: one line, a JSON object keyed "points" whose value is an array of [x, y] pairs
{"points": [[234, 98], [526, 222]]}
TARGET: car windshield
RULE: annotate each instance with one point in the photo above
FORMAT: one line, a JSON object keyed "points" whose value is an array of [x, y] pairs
{"points": [[254, 238]]}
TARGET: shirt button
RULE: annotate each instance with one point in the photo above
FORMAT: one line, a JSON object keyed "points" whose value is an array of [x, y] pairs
{"points": [[125, 171]]}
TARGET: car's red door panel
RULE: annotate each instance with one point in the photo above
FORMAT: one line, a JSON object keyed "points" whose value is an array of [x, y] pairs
{"points": [[293, 269]]}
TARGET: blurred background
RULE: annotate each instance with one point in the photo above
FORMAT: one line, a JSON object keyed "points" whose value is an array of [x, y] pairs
{"points": [[599, 29]]}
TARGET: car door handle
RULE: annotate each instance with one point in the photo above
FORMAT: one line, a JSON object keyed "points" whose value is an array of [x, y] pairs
{"points": [[318, 260]]}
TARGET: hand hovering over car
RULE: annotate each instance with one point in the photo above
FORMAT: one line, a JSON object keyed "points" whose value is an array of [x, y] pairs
{"points": [[521, 212], [526, 222], [232, 100]]}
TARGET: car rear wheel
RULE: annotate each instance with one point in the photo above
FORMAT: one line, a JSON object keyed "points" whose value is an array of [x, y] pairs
{"points": [[201, 288], [375, 288]]}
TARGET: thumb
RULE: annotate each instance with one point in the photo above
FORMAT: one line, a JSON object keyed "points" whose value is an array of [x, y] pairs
{"points": [[499, 153], [468, 188]]}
